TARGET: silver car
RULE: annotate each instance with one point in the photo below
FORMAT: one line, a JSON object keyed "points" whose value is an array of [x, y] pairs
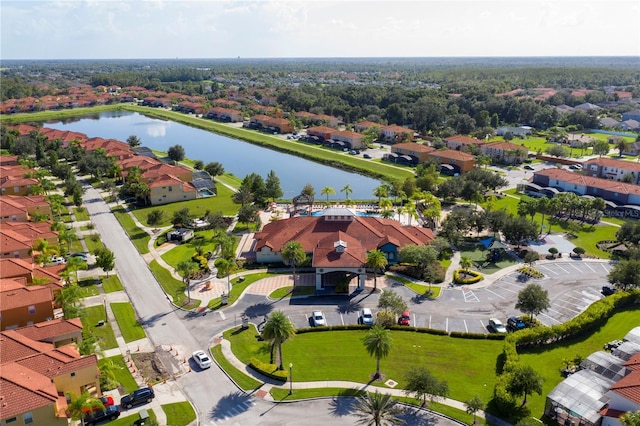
{"points": [[366, 316], [317, 319]]}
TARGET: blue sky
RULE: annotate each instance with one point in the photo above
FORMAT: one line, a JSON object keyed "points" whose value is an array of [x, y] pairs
{"points": [[89, 29]]}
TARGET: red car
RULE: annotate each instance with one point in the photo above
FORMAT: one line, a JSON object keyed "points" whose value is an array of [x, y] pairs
{"points": [[405, 318], [106, 400]]}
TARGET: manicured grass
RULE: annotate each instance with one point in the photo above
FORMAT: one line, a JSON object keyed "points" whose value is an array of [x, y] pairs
{"points": [[342, 356], [281, 394], [197, 208], [80, 214], [547, 360], [289, 291], [478, 254], [126, 317], [123, 376], [173, 287], [111, 284], [104, 333], [88, 287], [237, 287], [179, 413], [92, 244], [54, 115], [245, 382], [131, 419], [76, 246], [186, 250], [138, 237], [417, 287], [229, 179]]}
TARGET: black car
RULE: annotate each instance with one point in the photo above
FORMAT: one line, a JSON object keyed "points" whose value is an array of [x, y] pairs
{"points": [[515, 324], [608, 291], [110, 413], [528, 167], [136, 397]]}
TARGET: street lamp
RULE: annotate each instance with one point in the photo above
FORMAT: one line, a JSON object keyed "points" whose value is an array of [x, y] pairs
{"points": [[290, 378]]}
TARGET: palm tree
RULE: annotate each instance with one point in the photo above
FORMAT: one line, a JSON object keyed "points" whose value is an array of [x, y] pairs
{"points": [[376, 260], [293, 254], [225, 267], [376, 409], [82, 404], [473, 406], [347, 191], [377, 342], [385, 204], [465, 263], [187, 268], [67, 236], [74, 264], [327, 190], [44, 249], [381, 192], [278, 329], [543, 207]]}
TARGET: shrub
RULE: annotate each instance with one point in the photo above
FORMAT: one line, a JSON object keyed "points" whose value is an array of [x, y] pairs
{"points": [[269, 370], [155, 217], [530, 272], [579, 251], [466, 335], [475, 277]]}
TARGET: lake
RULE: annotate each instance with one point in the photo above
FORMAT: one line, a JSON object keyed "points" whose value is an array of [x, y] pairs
{"points": [[237, 157]]}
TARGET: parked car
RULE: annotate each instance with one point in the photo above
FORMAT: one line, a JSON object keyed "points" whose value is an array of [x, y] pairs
{"points": [[83, 256], [366, 156], [405, 318], [111, 412], [528, 167], [366, 316], [57, 260], [106, 400], [317, 319], [608, 291], [139, 396], [352, 152], [496, 326], [515, 324], [575, 167], [201, 359]]}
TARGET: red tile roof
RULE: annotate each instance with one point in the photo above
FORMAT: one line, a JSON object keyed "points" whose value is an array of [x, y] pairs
{"points": [[170, 180], [11, 181], [44, 331], [464, 140], [612, 162], [452, 154], [371, 232], [413, 146], [629, 386], [594, 182], [505, 146], [325, 254], [634, 362], [24, 390], [12, 296]]}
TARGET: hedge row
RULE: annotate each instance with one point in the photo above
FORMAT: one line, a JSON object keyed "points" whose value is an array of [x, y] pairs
{"points": [[477, 276], [530, 272], [269, 370], [588, 321], [466, 335]]}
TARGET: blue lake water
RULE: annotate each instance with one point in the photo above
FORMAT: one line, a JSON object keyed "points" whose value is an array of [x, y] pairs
{"points": [[237, 157]]}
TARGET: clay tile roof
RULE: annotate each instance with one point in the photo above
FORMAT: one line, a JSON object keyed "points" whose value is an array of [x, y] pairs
{"points": [[46, 330], [14, 346], [594, 182], [321, 129], [9, 181], [24, 296], [505, 146], [414, 146], [10, 268], [629, 386], [610, 412], [23, 390], [634, 362], [13, 241], [612, 162], [165, 180], [464, 139], [452, 154]]}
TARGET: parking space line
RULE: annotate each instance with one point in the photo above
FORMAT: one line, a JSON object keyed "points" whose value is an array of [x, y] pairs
{"points": [[576, 268], [551, 318], [466, 330], [446, 325], [429, 321], [588, 266], [494, 293], [415, 324], [604, 267], [567, 308], [560, 267], [553, 272], [341, 319], [484, 327], [508, 289]]}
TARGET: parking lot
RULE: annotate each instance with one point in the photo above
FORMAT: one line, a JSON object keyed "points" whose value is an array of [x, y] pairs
{"points": [[572, 287]]}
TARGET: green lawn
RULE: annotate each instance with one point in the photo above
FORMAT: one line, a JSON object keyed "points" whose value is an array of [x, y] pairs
{"points": [[342, 356], [123, 376], [289, 291], [111, 284], [88, 287], [104, 333], [173, 287], [185, 251], [126, 317], [197, 208], [93, 243], [478, 256], [138, 237], [417, 287], [80, 214], [547, 360], [237, 287], [283, 394], [131, 419], [179, 413], [245, 382]]}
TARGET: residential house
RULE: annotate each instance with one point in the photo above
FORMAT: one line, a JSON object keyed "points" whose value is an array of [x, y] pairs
{"points": [[58, 332], [65, 137], [609, 122], [189, 107], [352, 140], [395, 134], [366, 125], [610, 168], [23, 208], [564, 109], [224, 114], [18, 238], [417, 151], [338, 242], [25, 271], [226, 103], [8, 160], [22, 305], [322, 132], [167, 188], [630, 124], [520, 132], [36, 376], [505, 152], [17, 185], [631, 115], [453, 162], [459, 142], [563, 180], [270, 124]]}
